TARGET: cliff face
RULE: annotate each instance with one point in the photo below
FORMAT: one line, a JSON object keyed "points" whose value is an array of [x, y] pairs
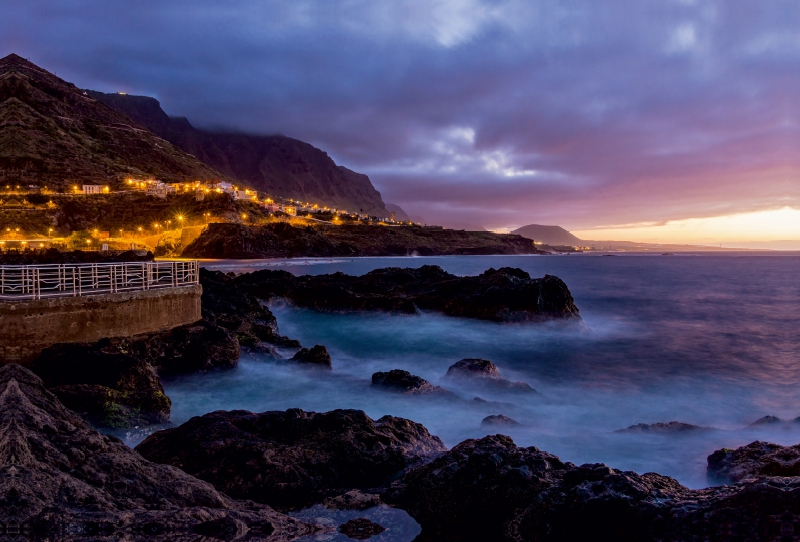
{"points": [[275, 164], [56, 135]]}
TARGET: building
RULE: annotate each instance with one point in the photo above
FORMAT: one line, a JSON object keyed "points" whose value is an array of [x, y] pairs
{"points": [[93, 189], [289, 210]]}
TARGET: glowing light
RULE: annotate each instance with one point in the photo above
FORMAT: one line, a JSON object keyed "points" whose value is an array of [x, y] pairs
{"points": [[776, 224]]}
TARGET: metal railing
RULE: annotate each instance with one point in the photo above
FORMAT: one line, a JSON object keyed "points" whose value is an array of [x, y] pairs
{"points": [[20, 282]]}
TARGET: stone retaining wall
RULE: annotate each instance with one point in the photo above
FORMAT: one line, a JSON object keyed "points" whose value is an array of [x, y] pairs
{"points": [[26, 327]]}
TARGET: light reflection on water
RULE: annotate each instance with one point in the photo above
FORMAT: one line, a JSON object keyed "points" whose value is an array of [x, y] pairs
{"points": [[703, 339]]}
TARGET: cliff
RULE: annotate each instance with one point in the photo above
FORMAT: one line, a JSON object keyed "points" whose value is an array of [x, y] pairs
{"points": [[275, 164], [54, 134]]}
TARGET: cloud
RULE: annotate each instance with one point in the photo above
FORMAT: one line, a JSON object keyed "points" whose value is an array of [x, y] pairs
{"points": [[499, 112]]}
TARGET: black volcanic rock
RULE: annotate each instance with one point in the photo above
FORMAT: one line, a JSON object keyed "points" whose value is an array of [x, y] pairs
{"points": [[506, 295], [54, 134], [201, 346], [472, 491], [318, 355], [756, 459], [275, 164], [107, 387], [499, 420], [404, 382], [61, 480], [490, 489], [662, 427], [282, 240], [294, 458], [483, 372]]}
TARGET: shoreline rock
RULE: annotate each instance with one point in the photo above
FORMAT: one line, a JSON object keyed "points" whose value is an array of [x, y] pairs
{"points": [[105, 386], [317, 356], [483, 372], [663, 428], [404, 382], [62, 480], [499, 420], [292, 459], [501, 295]]}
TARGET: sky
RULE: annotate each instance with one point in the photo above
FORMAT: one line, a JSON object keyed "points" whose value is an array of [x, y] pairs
{"points": [[651, 121]]}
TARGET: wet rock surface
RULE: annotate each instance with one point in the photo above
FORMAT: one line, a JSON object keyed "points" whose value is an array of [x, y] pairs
{"points": [[504, 295], [294, 458], [756, 459], [202, 346], [490, 489], [318, 356], [499, 421], [104, 385], [227, 305], [401, 381], [663, 427], [361, 529], [62, 480], [482, 372]]}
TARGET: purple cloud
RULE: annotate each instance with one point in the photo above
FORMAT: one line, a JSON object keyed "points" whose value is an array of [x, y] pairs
{"points": [[494, 112]]}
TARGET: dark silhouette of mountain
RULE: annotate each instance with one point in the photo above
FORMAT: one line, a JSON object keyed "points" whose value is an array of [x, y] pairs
{"points": [[549, 235], [275, 164], [54, 134]]}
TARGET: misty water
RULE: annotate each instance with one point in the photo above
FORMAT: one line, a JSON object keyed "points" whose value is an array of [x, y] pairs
{"points": [[709, 340]]}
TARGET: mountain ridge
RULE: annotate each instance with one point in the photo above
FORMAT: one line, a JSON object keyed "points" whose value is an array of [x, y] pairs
{"points": [[54, 134], [276, 164]]}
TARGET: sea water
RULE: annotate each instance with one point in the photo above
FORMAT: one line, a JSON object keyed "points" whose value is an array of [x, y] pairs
{"points": [[705, 339]]}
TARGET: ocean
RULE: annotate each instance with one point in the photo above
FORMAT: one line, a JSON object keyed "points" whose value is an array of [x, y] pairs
{"points": [[704, 339]]}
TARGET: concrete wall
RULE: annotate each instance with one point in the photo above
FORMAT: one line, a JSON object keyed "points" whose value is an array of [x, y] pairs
{"points": [[26, 327]]}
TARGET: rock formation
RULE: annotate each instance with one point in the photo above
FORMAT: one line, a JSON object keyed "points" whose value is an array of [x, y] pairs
{"points": [[63, 481], [482, 372], [662, 427], [504, 295], [756, 459], [317, 356], [105, 386], [490, 489], [406, 383], [294, 458], [499, 421]]}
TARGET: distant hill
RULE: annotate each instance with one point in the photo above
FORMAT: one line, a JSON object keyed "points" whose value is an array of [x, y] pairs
{"points": [[275, 164], [54, 134], [549, 235]]}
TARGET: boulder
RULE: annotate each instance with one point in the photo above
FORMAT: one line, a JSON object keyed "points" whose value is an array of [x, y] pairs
{"points": [[318, 356], [482, 372], [756, 459], [294, 458], [62, 480], [105, 386], [499, 420], [404, 382]]}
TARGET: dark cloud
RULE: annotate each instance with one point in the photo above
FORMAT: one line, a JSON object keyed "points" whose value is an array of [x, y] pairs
{"points": [[495, 112]]}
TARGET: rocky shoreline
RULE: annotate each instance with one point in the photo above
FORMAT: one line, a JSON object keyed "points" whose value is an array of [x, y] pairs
{"points": [[503, 295], [62, 480]]}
